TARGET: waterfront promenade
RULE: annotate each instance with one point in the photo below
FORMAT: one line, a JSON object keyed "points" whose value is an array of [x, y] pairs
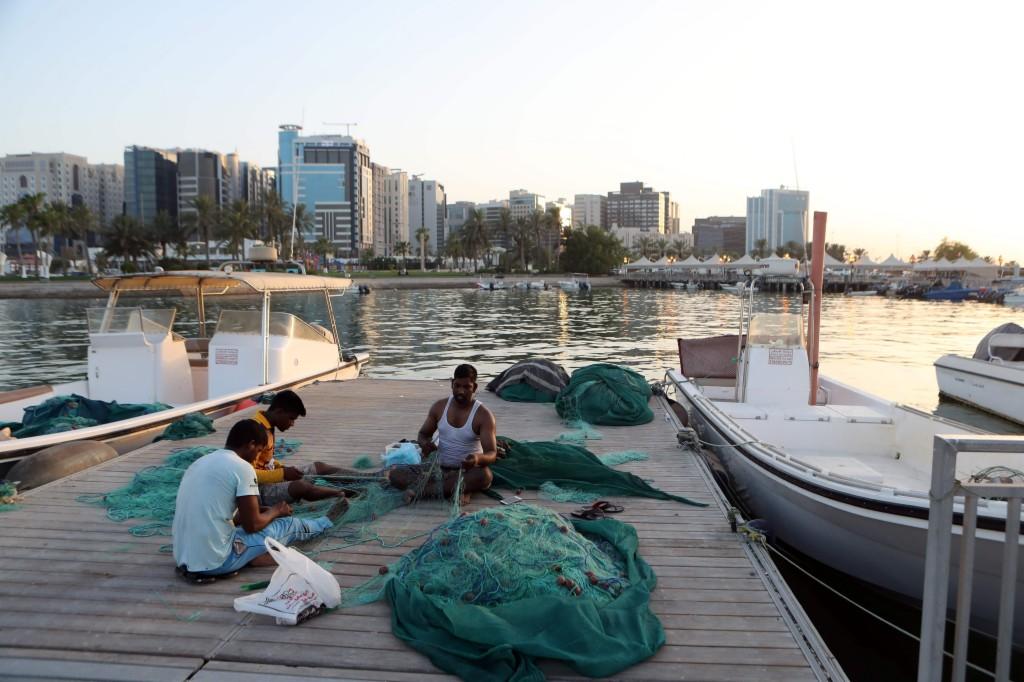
{"points": [[81, 288], [82, 597]]}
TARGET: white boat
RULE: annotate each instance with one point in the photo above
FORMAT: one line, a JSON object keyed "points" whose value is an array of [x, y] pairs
{"points": [[844, 480], [693, 286], [580, 282], [1014, 299], [739, 288], [993, 378], [495, 283], [135, 356], [529, 284], [868, 292], [679, 285]]}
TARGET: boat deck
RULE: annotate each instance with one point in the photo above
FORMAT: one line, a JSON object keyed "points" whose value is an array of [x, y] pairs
{"points": [[82, 598]]}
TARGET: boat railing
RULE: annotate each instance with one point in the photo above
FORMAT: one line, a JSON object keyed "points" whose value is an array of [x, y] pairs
{"points": [[944, 487]]}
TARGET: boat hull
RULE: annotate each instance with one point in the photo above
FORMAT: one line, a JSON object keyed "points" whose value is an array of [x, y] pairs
{"points": [[993, 387], [881, 544], [129, 434]]}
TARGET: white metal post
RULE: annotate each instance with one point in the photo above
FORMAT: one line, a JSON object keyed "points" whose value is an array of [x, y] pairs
{"points": [[936, 565], [265, 330], [1007, 596], [965, 586]]}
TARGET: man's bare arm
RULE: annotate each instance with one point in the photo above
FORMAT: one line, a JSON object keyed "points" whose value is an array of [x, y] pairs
{"points": [[426, 434], [488, 438], [252, 518]]}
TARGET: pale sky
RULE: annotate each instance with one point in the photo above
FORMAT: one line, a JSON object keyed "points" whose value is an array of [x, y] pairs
{"points": [[905, 121]]}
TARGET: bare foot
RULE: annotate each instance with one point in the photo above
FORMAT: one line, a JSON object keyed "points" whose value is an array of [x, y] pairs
{"points": [[408, 496], [337, 510], [464, 499]]}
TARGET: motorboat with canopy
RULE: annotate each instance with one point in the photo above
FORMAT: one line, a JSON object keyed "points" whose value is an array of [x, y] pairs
{"points": [[993, 378], [135, 355], [839, 474]]}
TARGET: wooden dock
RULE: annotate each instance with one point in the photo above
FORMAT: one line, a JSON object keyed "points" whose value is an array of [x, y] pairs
{"points": [[81, 598]]}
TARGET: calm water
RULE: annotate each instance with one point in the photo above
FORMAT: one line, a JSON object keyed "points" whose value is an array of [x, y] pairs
{"points": [[883, 345]]}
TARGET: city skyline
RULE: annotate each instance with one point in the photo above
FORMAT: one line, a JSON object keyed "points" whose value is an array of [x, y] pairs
{"points": [[903, 130]]}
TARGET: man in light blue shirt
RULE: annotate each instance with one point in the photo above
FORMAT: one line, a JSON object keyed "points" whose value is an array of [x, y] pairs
{"points": [[207, 542]]}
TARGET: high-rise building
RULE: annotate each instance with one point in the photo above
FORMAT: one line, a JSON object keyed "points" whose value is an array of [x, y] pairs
{"points": [[637, 206], [428, 207], [202, 173], [672, 220], [590, 209], [492, 211], [65, 178], [522, 203], [719, 235], [777, 216], [390, 209], [332, 177], [150, 182], [458, 214]]}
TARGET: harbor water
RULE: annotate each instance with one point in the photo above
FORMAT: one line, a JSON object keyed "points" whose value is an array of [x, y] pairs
{"points": [[883, 345]]}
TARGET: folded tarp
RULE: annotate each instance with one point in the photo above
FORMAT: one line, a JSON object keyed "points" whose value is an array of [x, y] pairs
{"points": [[606, 394], [530, 381]]}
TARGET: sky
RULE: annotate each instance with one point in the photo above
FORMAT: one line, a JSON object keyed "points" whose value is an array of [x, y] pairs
{"points": [[904, 121]]}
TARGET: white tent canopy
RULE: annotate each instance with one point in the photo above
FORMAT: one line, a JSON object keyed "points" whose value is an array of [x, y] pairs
{"points": [[714, 260], [662, 262], [641, 262], [892, 262], [744, 260], [865, 262], [690, 262]]}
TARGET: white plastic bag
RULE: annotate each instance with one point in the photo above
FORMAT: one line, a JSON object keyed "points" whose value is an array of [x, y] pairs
{"points": [[299, 588]]}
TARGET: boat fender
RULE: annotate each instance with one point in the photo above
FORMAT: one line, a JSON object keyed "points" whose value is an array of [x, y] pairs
{"points": [[59, 461], [757, 529]]}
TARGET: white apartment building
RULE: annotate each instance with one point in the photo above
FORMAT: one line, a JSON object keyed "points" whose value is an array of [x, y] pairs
{"points": [[428, 207], [590, 209], [522, 203], [390, 209]]}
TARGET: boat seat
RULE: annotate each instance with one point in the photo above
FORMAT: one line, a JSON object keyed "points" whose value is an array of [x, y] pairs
{"points": [[713, 357], [197, 345], [199, 362], [24, 393]]}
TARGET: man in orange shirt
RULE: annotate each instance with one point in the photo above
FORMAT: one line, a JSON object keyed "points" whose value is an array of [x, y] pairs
{"points": [[280, 483]]}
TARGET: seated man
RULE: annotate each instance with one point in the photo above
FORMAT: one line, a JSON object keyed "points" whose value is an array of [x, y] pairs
{"points": [[466, 443], [214, 487], [280, 483]]}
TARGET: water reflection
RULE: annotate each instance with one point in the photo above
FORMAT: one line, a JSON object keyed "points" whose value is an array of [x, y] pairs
{"points": [[883, 345]]}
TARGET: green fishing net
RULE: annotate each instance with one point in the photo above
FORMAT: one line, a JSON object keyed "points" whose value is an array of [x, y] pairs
{"points": [[8, 496], [606, 394], [154, 490], [192, 425], [556, 493], [69, 412], [614, 459]]}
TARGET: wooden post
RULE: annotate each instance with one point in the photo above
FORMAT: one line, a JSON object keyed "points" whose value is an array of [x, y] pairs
{"points": [[817, 281]]}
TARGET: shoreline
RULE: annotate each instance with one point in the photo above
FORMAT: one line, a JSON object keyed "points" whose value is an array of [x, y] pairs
{"points": [[82, 289]]}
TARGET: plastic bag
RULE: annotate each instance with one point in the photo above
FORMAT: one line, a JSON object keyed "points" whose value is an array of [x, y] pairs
{"points": [[402, 452], [298, 590]]}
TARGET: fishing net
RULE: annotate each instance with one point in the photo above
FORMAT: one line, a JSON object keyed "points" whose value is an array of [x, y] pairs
{"points": [[555, 493], [364, 462], [580, 434], [482, 593], [8, 496], [530, 381], [192, 425], [154, 490], [530, 465], [69, 412], [606, 394], [614, 459]]}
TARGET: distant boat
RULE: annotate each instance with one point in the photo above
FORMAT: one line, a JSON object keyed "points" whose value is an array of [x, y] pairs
{"points": [[529, 284], [955, 291], [993, 378], [580, 282], [869, 292], [739, 288], [491, 284], [1015, 299]]}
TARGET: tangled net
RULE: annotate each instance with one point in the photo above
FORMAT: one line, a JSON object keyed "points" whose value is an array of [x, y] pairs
{"points": [[8, 496], [501, 555], [154, 490]]}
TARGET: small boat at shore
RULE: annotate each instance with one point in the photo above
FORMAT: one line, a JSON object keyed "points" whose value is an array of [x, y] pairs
{"points": [[496, 283], [136, 357], [739, 288], [580, 282], [1014, 299], [529, 284], [867, 292], [839, 474], [993, 378], [954, 291]]}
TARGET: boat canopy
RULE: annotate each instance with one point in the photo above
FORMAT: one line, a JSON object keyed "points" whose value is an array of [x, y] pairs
{"points": [[1007, 353], [212, 282]]}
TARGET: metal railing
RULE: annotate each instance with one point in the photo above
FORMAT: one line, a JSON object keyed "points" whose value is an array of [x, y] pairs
{"points": [[944, 487]]}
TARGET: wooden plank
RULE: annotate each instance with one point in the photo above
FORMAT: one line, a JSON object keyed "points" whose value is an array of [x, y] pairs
{"points": [[75, 580], [48, 664]]}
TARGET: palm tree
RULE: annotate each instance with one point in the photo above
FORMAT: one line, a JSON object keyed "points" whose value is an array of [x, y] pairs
{"points": [[323, 248], [858, 252], [403, 249], [54, 222], [521, 239], [126, 239], [422, 235], [304, 222], [760, 248], [32, 208], [203, 221], [82, 222], [275, 220], [643, 246], [166, 230], [678, 248], [662, 245], [474, 236], [454, 248], [553, 231], [537, 223], [237, 225], [11, 216], [506, 226]]}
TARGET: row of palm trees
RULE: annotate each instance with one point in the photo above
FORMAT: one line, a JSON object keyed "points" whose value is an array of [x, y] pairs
{"points": [[532, 240], [127, 238]]}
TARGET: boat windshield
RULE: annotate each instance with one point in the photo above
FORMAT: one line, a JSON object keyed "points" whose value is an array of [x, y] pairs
{"points": [[130, 320], [281, 324], [776, 329]]}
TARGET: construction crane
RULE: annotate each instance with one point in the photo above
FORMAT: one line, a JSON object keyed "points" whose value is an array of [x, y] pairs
{"points": [[348, 127]]}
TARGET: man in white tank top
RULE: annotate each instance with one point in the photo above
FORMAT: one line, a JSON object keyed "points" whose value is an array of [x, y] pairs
{"points": [[466, 443]]}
